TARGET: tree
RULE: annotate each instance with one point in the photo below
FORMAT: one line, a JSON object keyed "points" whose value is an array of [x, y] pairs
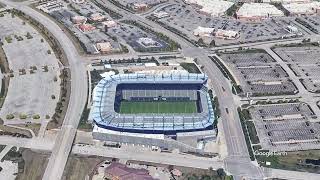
{"points": [[212, 43], [221, 173], [200, 41]]}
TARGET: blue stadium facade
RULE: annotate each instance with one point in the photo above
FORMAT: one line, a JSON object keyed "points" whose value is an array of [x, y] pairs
{"points": [[109, 92]]}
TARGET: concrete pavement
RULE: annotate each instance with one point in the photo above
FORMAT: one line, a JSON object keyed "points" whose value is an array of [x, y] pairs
{"points": [[43, 144]]}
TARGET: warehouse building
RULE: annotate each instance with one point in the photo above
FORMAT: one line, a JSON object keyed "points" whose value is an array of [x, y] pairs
{"points": [[214, 8], [258, 11], [203, 31], [303, 8], [227, 34]]}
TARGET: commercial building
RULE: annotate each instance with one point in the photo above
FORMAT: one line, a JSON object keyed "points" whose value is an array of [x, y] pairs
{"points": [[97, 17], [78, 1], [286, 1], [109, 24], [160, 14], [78, 19], [212, 7], [104, 47], [50, 6], [203, 32], [118, 171], [292, 29], [258, 11], [227, 34], [148, 42], [140, 6], [303, 8], [86, 27]]}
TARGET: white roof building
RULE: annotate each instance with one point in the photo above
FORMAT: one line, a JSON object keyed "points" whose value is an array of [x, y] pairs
{"points": [[97, 17], [147, 42], [203, 31], [286, 1], [292, 29], [160, 14], [227, 34], [253, 11], [78, 19], [213, 7], [109, 23], [51, 6], [104, 47], [302, 8]]}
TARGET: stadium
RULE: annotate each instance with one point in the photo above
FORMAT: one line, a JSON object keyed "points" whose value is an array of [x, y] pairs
{"points": [[151, 105]]}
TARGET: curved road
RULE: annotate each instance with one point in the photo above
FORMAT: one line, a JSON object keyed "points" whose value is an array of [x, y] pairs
{"points": [[79, 88]]}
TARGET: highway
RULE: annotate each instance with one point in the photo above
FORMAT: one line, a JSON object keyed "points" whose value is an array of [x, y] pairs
{"points": [[63, 143]]}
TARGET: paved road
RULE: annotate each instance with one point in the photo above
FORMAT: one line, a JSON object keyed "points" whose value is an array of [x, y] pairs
{"points": [[237, 162], [63, 143], [150, 156], [5, 151]]}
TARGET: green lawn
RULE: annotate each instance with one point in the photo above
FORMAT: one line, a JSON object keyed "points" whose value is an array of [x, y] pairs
{"points": [[129, 107]]}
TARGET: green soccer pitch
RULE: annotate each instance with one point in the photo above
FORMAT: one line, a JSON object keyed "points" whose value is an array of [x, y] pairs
{"points": [[131, 107]]}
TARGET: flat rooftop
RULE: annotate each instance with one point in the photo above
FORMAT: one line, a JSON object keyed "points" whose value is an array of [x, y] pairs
{"points": [[258, 10]]}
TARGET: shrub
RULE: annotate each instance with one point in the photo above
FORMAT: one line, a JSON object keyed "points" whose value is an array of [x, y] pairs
{"points": [[10, 116], [37, 116], [23, 116]]}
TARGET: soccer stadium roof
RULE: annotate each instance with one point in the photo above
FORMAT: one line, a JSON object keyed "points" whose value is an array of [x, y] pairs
{"points": [[104, 99]]}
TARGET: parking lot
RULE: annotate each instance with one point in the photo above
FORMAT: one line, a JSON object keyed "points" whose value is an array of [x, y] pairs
{"points": [[139, 5], [118, 33], [138, 39], [34, 76], [186, 18], [258, 73], [310, 22], [286, 127], [304, 62]]}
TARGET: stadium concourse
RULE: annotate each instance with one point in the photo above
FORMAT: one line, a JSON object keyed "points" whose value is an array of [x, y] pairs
{"points": [[148, 108]]}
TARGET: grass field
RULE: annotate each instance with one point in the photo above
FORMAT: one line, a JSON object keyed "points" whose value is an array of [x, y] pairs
{"points": [[129, 107]]}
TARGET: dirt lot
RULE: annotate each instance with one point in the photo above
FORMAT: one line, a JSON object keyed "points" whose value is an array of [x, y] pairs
{"points": [[35, 127], [6, 130], [78, 167], [31, 164], [293, 161]]}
